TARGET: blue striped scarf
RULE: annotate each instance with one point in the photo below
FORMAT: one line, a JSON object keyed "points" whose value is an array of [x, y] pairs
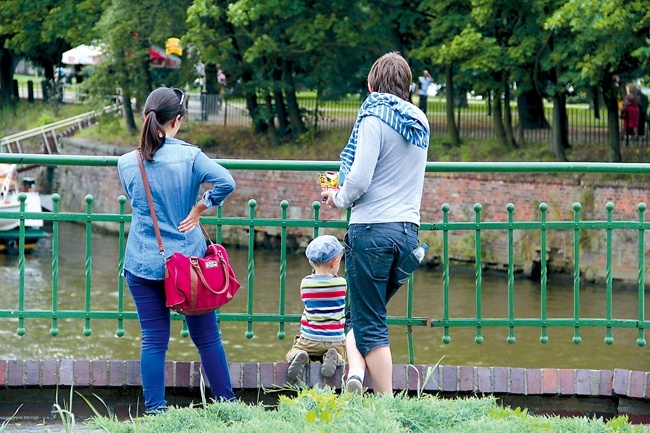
{"points": [[397, 113]]}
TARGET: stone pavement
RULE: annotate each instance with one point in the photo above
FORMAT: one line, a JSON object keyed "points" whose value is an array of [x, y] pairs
{"points": [[45, 427]]}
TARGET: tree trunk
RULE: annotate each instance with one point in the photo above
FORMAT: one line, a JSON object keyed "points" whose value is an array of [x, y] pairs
{"points": [[557, 143], [454, 134], [613, 133], [6, 75], [530, 106], [211, 85], [507, 115], [271, 132], [280, 107], [295, 119], [127, 109], [497, 120]]}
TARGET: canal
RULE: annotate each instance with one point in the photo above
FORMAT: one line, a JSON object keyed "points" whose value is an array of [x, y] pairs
{"points": [[527, 352]]}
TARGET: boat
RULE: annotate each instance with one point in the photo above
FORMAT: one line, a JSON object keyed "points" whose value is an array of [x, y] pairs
{"points": [[9, 202]]}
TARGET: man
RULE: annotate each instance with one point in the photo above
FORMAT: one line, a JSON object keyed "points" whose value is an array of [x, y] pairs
{"points": [[381, 177], [423, 87]]}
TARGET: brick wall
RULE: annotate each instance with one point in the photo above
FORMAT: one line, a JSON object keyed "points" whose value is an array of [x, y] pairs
{"points": [[460, 191], [546, 390]]}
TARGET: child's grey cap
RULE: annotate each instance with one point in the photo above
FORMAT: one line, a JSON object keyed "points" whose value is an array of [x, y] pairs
{"points": [[323, 249]]}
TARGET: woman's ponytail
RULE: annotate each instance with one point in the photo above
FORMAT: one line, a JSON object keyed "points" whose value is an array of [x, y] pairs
{"points": [[162, 105]]}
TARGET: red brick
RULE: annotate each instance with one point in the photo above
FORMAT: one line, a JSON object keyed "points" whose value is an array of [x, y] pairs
{"points": [[583, 382], [99, 371], [435, 381], [500, 375], [197, 373], [567, 382], [621, 381], [183, 370], [250, 375], [399, 376], [549, 381], [15, 371], [416, 374], [466, 382], [116, 373], [336, 380], [133, 373], [82, 373], [533, 381], [637, 384], [312, 374], [281, 369], [606, 382], [3, 372], [485, 379], [32, 373], [49, 373], [647, 388], [66, 372], [517, 381], [266, 375], [170, 367]]}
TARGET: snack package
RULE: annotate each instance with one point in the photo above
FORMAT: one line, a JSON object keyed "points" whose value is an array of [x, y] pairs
{"points": [[329, 181]]}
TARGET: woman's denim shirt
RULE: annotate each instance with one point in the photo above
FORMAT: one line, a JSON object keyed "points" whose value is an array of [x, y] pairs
{"points": [[175, 177]]}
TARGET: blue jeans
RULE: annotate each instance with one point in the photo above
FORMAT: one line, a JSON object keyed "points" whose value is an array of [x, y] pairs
{"points": [[377, 263], [154, 316]]}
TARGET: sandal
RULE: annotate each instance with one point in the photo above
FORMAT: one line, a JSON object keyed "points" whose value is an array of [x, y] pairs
{"points": [[297, 366], [329, 362]]}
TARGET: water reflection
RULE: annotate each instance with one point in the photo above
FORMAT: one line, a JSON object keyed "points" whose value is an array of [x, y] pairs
{"points": [[265, 346]]}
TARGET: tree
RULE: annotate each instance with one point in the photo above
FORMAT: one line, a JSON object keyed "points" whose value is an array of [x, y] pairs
{"points": [[447, 19], [608, 37], [128, 30], [270, 48]]}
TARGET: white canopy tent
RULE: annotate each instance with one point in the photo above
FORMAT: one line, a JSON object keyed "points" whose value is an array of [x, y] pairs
{"points": [[82, 55]]}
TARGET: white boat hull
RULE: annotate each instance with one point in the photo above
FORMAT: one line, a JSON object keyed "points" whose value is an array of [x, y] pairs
{"points": [[12, 204]]}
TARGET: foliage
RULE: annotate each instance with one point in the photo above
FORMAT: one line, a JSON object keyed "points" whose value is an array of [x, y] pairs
{"points": [[351, 413]]}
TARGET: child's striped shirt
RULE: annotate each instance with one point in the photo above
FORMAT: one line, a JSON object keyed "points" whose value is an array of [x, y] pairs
{"points": [[323, 318]]}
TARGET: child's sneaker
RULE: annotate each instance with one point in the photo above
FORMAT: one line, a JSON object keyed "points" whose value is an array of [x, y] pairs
{"points": [[354, 385], [297, 366], [329, 362]]}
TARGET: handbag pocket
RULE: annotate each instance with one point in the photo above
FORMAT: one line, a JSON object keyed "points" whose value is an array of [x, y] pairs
{"points": [[406, 268]]}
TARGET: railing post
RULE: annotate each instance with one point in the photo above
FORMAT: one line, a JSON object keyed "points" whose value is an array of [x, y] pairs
{"points": [[641, 339], [544, 277], [89, 262], [576, 273], [479, 272], [251, 266], [56, 198]]}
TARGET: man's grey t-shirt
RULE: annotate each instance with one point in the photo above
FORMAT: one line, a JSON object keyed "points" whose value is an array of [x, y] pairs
{"points": [[386, 178]]}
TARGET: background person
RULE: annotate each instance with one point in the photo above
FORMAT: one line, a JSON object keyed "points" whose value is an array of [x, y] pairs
{"points": [[322, 334], [423, 87], [175, 171], [381, 177]]}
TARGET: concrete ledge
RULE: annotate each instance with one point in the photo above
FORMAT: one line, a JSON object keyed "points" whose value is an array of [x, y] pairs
{"points": [[547, 390]]}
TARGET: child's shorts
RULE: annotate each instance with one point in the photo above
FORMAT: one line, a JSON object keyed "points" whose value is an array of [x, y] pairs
{"points": [[316, 349]]}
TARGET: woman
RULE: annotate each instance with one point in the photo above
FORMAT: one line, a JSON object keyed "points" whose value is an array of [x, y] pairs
{"points": [[175, 171]]}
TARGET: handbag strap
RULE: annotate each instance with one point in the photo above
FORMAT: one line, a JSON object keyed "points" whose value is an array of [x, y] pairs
{"points": [[152, 210]]}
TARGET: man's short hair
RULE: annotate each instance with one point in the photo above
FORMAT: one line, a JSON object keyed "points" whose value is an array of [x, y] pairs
{"points": [[391, 74]]}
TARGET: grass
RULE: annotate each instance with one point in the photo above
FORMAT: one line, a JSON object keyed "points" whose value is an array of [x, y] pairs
{"points": [[322, 410], [24, 116]]}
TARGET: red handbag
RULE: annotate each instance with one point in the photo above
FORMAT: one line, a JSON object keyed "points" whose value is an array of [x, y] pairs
{"points": [[198, 285], [194, 285]]}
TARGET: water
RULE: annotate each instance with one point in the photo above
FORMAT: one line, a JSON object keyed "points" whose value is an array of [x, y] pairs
{"points": [[528, 352]]}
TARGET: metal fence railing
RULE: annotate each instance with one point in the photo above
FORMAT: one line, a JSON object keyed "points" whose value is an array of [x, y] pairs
{"points": [[49, 133], [474, 121], [448, 321]]}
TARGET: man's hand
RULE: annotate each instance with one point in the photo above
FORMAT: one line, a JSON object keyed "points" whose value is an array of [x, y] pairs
{"points": [[328, 198]]}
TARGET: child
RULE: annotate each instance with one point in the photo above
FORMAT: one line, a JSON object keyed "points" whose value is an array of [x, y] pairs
{"points": [[321, 328]]}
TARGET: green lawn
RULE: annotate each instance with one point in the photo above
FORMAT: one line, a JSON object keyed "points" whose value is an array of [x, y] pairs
{"points": [[321, 410]]}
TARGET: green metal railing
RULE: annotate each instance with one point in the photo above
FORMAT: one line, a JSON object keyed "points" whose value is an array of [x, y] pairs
{"points": [[407, 320]]}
